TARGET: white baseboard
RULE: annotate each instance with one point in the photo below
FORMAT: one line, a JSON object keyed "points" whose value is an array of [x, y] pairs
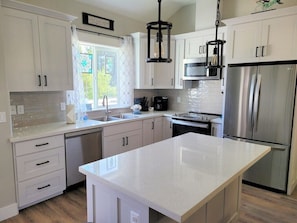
{"points": [[9, 211]]}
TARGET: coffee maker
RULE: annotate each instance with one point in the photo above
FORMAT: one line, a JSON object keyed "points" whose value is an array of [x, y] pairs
{"points": [[160, 103]]}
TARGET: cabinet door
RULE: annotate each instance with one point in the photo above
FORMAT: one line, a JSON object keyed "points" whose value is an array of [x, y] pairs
{"points": [[148, 132], [152, 131], [279, 38], [144, 71], [167, 128], [243, 40], [158, 129], [179, 65], [195, 47], [123, 142], [56, 55], [21, 50], [164, 72]]}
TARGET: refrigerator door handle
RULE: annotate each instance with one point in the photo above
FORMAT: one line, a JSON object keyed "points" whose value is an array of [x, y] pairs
{"points": [[251, 99], [256, 101]]}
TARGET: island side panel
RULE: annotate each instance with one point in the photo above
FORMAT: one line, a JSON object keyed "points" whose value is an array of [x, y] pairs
{"points": [[109, 206]]}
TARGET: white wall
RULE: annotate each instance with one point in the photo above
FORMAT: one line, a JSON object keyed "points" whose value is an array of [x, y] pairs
{"points": [[7, 186], [122, 25], [183, 21]]}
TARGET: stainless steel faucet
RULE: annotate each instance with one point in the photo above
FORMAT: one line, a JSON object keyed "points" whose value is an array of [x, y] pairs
{"points": [[105, 103]]}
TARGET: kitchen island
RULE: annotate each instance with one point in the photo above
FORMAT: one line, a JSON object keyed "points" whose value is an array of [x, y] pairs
{"points": [[188, 178]]}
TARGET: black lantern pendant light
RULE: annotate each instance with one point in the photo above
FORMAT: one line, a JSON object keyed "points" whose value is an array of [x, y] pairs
{"points": [[159, 50], [215, 62]]}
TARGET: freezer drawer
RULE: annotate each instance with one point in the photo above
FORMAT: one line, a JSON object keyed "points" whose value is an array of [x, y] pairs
{"points": [[272, 170]]}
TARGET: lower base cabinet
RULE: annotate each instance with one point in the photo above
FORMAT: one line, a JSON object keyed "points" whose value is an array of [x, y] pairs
{"points": [[39, 169], [152, 130], [121, 138]]}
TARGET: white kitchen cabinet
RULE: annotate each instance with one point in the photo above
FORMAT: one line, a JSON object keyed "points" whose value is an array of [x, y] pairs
{"points": [[164, 72], [152, 130], [39, 169], [37, 52], [144, 72], [121, 138], [167, 127], [151, 75], [179, 64], [195, 46], [258, 39]]}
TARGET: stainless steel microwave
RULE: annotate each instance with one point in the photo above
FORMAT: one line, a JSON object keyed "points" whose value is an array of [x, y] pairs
{"points": [[195, 69]]}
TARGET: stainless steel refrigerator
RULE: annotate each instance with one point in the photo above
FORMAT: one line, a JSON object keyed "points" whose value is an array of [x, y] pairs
{"points": [[259, 104]]}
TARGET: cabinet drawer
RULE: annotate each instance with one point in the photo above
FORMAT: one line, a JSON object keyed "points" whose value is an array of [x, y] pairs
{"points": [[122, 128], [38, 164], [40, 188], [36, 145]]}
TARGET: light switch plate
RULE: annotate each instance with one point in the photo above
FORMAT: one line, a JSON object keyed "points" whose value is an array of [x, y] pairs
{"points": [[2, 117], [20, 109], [13, 110]]}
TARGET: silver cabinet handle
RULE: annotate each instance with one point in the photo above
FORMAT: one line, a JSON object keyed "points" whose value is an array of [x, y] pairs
{"points": [[262, 51], [123, 141], [127, 141]]}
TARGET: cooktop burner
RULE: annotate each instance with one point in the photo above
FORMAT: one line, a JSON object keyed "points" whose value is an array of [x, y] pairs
{"points": [[195, 116]]}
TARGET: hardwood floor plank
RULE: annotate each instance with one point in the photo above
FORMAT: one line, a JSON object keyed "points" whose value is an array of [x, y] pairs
{"points": [[257, 206]]}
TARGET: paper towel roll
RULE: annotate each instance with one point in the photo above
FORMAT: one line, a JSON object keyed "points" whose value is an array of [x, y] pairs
{"points": [[70, 114]]}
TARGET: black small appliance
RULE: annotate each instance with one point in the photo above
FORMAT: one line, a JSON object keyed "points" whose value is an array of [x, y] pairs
{"points": [[160, 103]]}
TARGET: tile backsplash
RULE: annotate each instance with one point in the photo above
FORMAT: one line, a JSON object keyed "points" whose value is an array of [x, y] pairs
{"points": [[39, 108], [203, 96], [44, 107]]}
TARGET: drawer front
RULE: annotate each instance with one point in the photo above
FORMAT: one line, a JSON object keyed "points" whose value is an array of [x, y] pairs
{"points": [[40, 188], [122, 128], [37, 145], [41, 163]]}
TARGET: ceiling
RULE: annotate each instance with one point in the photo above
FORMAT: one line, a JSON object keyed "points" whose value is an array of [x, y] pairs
{"points": [[141, 10]]}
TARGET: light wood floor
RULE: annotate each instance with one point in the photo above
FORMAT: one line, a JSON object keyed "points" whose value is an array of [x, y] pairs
{"points": [[257, 206]]}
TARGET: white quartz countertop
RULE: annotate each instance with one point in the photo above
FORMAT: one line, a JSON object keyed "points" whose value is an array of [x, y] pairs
{"points": [[45, 130], [176, 176]]}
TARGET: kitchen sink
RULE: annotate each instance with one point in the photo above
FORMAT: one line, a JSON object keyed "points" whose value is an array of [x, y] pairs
{"points": [[116, 117]]}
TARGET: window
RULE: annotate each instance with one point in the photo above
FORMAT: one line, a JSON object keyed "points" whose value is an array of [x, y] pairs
{"points": [[99, 66]]}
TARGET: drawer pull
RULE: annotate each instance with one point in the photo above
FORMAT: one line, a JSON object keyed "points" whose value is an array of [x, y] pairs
{"points": [[39, 164], [44, 144], [40, 188]]}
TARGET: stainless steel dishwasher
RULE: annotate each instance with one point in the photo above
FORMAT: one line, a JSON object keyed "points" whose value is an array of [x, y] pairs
{"points": [[81, 147]]}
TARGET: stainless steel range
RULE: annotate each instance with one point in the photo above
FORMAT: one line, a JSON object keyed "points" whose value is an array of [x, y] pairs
{"points": [[192, 122]]}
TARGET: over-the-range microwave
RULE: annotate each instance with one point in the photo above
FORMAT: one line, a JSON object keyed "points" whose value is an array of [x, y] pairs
{"points": [[195, 69]]}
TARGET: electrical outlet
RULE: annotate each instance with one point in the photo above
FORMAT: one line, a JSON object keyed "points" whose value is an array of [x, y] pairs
{"points": [[13, 110], [2, 117], [178, 99], [63, 106], [20, 109], [134, 217]]}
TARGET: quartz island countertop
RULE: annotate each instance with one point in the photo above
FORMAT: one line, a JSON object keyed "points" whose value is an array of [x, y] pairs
{"points": [[177, 176]]}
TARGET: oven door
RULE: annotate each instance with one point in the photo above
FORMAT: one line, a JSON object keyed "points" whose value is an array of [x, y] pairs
{"points": [[181, 126]]}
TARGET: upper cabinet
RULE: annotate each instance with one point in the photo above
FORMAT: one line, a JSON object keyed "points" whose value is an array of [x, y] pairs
{"points": [[267, 36], [152, 75], [37, 49], [195, 43]]}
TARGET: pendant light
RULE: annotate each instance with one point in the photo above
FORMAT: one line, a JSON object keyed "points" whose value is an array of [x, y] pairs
{"points": [[215, 62], [160, 51]]}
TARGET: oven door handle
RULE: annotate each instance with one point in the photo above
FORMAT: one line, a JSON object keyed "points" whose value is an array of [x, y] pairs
{"points": [[194, 124]]}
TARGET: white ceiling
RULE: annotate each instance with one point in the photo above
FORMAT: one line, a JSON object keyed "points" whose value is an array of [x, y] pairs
{"points": [[141, 10]]}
